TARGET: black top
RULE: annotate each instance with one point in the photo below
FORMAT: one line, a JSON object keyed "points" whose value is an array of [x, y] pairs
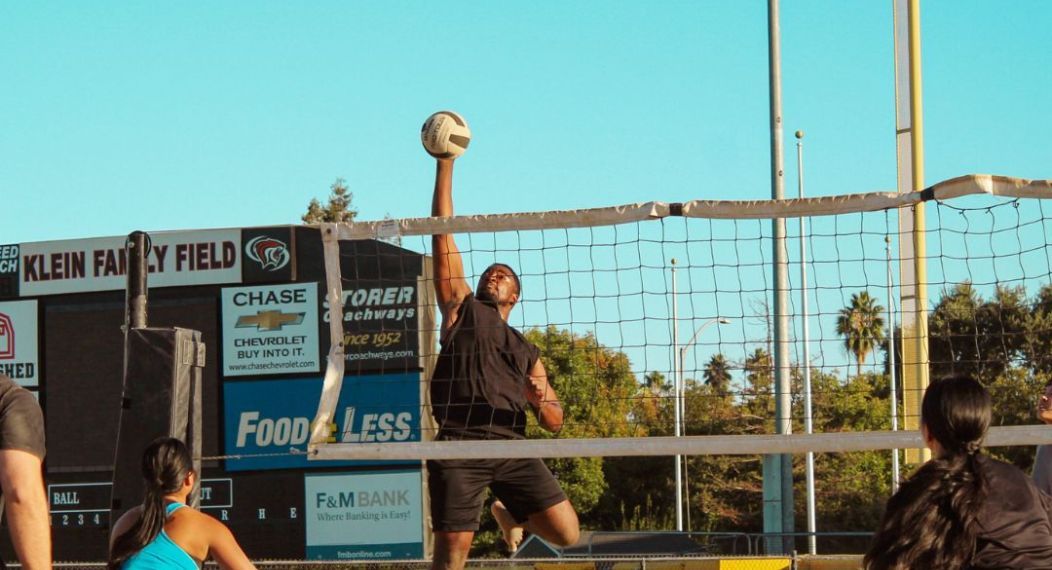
{"points": [[1015, 521], [478, 390]]}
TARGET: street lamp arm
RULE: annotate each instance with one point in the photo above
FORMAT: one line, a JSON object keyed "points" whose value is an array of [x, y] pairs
{"points": [[703, 326]]}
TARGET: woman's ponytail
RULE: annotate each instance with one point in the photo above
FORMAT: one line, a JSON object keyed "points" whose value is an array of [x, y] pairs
{"points": [[165, 465]]}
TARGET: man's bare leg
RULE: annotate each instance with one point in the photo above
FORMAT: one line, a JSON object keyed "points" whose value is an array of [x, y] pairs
{"points": [[557, 524], [451, 549], [511, 530]]}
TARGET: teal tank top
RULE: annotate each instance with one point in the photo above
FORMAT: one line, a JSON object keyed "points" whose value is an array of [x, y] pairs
{"points": [[161, 553]]}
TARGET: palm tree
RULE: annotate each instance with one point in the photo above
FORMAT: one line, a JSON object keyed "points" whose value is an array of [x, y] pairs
{"points": [[717, 373], [654, 383], [861, 325]]}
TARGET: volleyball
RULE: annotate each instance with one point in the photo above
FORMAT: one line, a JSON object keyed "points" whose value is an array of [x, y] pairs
{"points": [[445, 134]]}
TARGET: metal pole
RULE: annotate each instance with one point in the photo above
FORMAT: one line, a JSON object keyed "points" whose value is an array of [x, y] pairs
{"points": [[135, 296], [920, 246], [682, 369], [808, 427], [136, 246], [686, 459], [780, 488], [891, 368], [677, 386], [913, 295]]}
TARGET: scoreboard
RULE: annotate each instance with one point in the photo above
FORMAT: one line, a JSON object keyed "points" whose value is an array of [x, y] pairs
{"points": [[257, 296]]}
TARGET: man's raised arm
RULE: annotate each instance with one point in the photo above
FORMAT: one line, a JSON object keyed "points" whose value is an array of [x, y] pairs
{"points": [[450, 286]]}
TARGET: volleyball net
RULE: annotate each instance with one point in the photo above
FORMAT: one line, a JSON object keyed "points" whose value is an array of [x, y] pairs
{"points": [[644, 308]]}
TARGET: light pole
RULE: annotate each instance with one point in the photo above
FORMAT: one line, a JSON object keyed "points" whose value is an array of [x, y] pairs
{"points": [[891, 368], [682, 411], [808, 427], [676, 389]]}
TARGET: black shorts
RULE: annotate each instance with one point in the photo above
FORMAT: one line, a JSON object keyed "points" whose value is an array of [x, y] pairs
{"points": [[21, 421], [457, 488]]}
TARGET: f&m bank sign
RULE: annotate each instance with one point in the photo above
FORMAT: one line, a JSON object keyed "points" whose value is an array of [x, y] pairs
{"points": [[364, 515], [267, 422]]}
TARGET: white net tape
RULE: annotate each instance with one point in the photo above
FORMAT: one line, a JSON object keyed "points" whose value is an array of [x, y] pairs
{"points": [[610, 287]]}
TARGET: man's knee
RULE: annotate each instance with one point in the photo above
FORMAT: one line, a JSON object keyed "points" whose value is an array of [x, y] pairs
{"points": [[557, 524], [454, 540], [451, 549], [566, 536]]}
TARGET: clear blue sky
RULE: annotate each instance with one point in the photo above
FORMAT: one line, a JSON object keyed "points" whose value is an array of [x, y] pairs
{"points": [[116, 116]]}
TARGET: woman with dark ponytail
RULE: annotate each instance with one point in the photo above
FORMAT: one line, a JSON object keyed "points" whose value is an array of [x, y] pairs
{"points": [[163, 532], [962, 509]]}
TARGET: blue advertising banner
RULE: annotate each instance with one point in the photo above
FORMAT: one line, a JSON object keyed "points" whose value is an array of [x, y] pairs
{"points": [[267, 422], [365, 515]]}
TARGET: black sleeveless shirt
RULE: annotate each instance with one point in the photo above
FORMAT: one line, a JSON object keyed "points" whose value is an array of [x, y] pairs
{"points": [[478, 390]]}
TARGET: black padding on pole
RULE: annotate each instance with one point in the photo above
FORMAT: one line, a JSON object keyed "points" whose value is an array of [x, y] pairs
{"points": [[162, 397], [137, 247]]}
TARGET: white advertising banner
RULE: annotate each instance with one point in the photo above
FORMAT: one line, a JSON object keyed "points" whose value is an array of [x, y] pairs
{"points": [[18, 342], [364, 515], [270, 330], [203, 257]]}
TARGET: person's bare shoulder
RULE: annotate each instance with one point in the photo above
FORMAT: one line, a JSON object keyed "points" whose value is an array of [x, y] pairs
{"points": [[191, 517], [125, 522], [194, 531]]}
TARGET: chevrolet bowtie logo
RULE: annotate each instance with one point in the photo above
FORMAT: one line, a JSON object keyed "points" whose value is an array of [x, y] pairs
{"points": [[269, 320]]}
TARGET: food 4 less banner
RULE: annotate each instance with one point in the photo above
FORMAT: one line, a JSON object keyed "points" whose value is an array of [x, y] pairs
{"points": [[266, 419]]}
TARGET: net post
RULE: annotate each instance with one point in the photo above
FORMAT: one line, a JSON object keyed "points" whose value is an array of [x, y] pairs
{"points": [[321, 431], [781, 487], [428, 325], [913, 282]]}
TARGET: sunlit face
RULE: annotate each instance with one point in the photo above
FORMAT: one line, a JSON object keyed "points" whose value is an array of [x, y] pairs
{"points": [[498, 284]]}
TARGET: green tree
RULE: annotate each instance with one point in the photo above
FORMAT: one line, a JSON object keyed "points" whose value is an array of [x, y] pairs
{"points": [[953, 332], [597, 390], [1003, 341], [717, 373], [602, 398], [1014, 393], [338, 209], [1037, 346], [1002, 327], [723, 490], [850, 488], [862, 326], [651, 405], [656, 383], [757, 401], [982, 338]]}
